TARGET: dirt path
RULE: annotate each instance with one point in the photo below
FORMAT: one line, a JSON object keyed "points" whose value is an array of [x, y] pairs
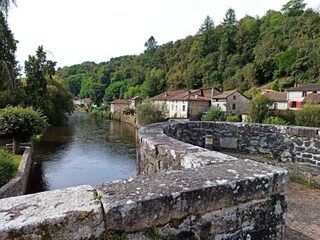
{"points": [[303, 218]]}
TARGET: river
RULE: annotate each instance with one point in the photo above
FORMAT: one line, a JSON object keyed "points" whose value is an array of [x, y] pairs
{"points": [[88, 150]]}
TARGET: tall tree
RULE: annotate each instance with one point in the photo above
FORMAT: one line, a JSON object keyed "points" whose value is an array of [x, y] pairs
{"points": [[5, 4], [37, 70], [8, 64], [151, 44], [294, 7]]}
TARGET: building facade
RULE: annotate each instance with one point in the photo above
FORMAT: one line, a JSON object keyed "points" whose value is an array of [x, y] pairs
{"points": [[296, 95], [231, 102], [278, 99]]}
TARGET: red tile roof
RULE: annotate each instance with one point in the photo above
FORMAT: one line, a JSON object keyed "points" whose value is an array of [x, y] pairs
{"points": [[312, 98], [121, 101], [276, 96], [225, 94], [182, 95]]}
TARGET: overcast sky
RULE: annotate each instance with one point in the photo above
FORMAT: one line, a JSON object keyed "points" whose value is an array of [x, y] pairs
{"points": [[74, 31]]}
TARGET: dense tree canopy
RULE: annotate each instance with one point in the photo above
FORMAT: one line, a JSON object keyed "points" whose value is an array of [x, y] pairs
{"points": [[282, 46]]}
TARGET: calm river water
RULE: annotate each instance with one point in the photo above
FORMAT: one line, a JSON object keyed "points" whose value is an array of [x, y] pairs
{"points": [[87, 151]]}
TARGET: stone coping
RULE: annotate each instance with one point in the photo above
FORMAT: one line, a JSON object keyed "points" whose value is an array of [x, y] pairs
{"points": [[17, 185], [194, 184]]}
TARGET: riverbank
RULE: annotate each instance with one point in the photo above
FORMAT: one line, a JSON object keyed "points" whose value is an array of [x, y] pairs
{"points": [[18, 185], [130, 119]]}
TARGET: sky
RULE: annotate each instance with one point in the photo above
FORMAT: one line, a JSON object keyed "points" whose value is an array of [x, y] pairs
{"points": [[74, 31]]}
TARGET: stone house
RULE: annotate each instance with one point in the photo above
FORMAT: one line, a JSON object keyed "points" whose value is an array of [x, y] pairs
{"points": [[278, 99], [231, 102], [296, 95], [121, 105], [189, 104]]}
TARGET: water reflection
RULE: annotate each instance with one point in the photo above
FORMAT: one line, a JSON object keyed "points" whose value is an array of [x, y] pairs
{"points": [[87, 151]]}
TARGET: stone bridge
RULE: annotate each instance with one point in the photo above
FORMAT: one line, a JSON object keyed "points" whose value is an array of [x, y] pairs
{"points": [[182, 191]]}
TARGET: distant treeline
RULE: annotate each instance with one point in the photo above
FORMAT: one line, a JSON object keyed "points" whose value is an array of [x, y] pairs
{"points": [[282, 46]]}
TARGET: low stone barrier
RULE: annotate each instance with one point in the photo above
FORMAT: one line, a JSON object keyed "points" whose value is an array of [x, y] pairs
{"points": [[18, 185], [284, 143], [182, 192]]}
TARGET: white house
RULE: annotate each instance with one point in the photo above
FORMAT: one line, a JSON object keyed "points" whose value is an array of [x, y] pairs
{"points": [[296, 95], [278, 99], [185, 104]]}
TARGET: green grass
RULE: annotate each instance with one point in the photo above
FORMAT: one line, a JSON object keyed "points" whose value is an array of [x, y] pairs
{"points": [[9, 164]]}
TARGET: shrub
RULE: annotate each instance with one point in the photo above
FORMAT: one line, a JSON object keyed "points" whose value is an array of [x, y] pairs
{"points": [[259, 109], [7, 167], [147, 113], [309, 115], [21, 123], [274, 120], [289, 116], [233, 118], [214, 114]]}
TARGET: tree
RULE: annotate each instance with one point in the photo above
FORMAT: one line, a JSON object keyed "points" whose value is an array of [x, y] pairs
{"points": [[151, 44], [21, 123], [8, 64], [148, 112], [38, 69], [259, 109], [214, 114], [309, 115], [97, 92], [5, 4], [294, 7]]}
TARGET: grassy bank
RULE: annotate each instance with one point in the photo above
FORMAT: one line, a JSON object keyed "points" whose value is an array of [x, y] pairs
{"points": [[9, 164]]}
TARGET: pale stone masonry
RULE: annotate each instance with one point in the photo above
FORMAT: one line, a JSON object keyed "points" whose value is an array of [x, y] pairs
{"points": [[182, 192]]}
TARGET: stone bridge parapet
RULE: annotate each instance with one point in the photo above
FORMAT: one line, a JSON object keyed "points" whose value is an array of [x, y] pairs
{"points": [[182, 191]]}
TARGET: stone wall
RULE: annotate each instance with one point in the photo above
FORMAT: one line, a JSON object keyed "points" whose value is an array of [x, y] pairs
{"points": [[295, 144], [18, 185], [182, 192]]}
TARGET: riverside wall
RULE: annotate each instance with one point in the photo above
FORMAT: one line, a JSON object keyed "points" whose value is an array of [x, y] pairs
{"points": [[18, 185]]}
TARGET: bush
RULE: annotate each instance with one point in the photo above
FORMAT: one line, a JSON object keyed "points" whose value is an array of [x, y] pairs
{"points": [[102, 111], [233, 118], [214, 114], [275, 121], [7, 167], [259, 109], [309, 115], [147, 113], [21, 123], [289, 116]]}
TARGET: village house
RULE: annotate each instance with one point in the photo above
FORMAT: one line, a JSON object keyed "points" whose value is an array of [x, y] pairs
{"points": [[231, 102], [122, 105], [297, 95], [185, 104], [278, 99]]}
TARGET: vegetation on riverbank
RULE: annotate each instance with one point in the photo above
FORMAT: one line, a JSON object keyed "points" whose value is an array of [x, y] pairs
{"points": [[9, 164], [280, 48]]}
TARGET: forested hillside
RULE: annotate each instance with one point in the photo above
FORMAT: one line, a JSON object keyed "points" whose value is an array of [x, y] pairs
{"points": [[282, 47]]}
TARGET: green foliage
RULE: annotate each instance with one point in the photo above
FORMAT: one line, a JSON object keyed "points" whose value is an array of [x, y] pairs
{"points": [[214, 114], [147, 113], [102, 111], [8, 167], [288, 116], [275, 121], [259, 109], [280, 47], [21, 122], [97, 92], [309, 115], [233, 118]]}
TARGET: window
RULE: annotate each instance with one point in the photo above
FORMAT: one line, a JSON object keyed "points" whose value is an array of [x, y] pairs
{"points": [[172, 107], [293, 104], [183, 108], [304, 93], [234, 97], [314, 92], [233, 106]]}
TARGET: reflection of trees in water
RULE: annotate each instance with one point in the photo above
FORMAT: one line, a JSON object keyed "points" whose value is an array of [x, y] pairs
{"points": [[36, 176], [124, 130]]}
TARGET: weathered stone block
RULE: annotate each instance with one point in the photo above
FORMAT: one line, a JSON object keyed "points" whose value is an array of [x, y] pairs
{"points": [[71, 213]]}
